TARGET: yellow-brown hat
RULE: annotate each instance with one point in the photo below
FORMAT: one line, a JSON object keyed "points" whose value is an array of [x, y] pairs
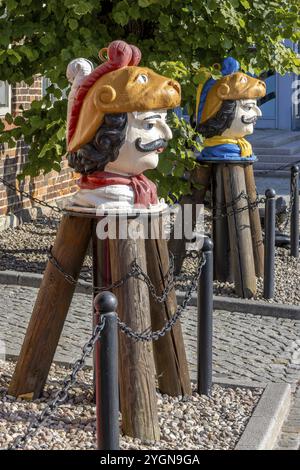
{"points": [[118, 86], [234, 85]]}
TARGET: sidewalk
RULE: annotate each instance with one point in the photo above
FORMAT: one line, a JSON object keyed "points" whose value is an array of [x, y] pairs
{"points": [[246, 347]]}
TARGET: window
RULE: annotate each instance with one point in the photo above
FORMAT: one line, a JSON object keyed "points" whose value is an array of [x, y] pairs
{"points": [[46, 83], [5, 98]]}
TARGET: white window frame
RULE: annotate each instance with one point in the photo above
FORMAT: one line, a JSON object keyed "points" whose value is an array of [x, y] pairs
{"points": [[6, 109]]}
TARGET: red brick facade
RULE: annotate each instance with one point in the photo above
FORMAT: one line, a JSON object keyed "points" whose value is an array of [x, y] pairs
{"points": [[49, 187]]}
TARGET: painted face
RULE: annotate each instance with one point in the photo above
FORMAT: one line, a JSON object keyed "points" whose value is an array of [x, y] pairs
{"points": [[246, 115], [147, 135]]}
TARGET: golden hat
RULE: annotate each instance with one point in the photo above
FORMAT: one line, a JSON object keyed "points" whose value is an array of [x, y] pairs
{"points": [[234, 85], [118, 86]]}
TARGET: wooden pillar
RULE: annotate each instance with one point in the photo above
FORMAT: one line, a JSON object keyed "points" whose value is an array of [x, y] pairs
{"points": [[222, 260], [137, 371], [169, 352], [51, 308], [101, 278], [239, 231], [256, 232], [200, 179]]}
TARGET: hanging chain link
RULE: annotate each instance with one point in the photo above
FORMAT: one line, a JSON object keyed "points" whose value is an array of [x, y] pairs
{"points": [[288, 210], [149, 335], [135, 271], [251, 205], [61, 396], [32, 198]]}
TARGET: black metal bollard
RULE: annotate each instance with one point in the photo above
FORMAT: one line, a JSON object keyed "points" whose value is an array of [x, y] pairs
{"points": [[106, 374], [269, 265], [205, 321], [294, 228]]}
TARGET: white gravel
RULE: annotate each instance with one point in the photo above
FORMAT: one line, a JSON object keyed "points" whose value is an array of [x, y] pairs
{"points": [[186, 423], [287, 272]]}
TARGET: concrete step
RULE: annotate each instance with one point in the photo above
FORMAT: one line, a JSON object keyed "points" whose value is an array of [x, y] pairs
{"points": [[272, 173], [282, 159], [273, 138], [276, 166], [292, 148]]}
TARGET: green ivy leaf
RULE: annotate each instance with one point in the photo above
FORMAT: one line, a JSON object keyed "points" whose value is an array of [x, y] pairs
{"points": [[245, 4], [11, 4], [73, 24], [19, 121], [8, 118], [144, 3], [82, 8]]}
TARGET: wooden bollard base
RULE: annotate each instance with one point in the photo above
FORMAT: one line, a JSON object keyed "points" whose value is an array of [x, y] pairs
{"points": [[256, 231], [51, 308], [169, 352], [239, 230], [111, 262]]}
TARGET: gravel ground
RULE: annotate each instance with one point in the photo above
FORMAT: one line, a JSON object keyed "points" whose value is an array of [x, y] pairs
{"points": [[287, 271], [186, 423], [24, 248]]}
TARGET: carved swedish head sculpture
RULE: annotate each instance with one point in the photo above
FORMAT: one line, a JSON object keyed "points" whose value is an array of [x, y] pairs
{"points": [[117, 128], [227, 112]]}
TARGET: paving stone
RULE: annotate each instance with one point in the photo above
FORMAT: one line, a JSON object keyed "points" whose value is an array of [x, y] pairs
{"points": [[245, 346]]}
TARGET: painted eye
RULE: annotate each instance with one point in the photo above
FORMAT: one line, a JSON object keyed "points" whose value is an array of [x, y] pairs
{"points": [[148, 126], [142, 78], [244, 80]]}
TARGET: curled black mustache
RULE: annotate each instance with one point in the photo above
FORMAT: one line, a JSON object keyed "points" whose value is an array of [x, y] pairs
{"points": [[251, 120], [154, 145]]}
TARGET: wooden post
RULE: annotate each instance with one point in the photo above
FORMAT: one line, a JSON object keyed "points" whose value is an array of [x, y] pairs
{"points": [[101, 278], [169, 352], [201, 176], [137, 371], [239, 231], [222, 264], [51, 308], [256, 232]]}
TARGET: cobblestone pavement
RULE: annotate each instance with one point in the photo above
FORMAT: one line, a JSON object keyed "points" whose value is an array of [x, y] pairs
{"points": [[246, 347]]}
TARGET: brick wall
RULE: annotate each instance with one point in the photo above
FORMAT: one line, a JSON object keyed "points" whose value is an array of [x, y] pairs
{"points": [[48, 188]]}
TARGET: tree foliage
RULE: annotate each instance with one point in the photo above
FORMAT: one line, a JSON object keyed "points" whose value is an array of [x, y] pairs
{"points": [[176, 37]]}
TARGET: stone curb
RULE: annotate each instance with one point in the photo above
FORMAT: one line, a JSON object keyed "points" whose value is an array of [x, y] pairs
{"points": [[255, 307], [264, 426], [230, 304], [34, 280]]}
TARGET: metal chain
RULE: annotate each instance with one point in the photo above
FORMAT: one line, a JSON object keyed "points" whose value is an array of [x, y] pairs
{"points": [[169, 279], [288, 210], [62, 394], [34, 199], [250, 205], [135, 272], [155, 335]]}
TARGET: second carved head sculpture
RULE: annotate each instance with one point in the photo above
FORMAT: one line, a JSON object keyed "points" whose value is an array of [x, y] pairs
{"points": [[227, 111]]}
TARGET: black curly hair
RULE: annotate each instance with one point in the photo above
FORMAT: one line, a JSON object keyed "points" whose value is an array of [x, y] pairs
{"points": [[104, 147], [220, 122]]}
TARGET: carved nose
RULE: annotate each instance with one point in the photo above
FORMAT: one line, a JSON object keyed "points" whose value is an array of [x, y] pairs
{"points": [[261, 83]]}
